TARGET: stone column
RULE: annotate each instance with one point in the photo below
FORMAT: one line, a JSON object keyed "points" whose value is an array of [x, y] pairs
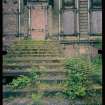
{"points": [[50, 21]]}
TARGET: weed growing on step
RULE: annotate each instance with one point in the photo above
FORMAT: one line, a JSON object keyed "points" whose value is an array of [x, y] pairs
{"points": [[79, 73], [24, 81], [20, 82], [37, 99]]}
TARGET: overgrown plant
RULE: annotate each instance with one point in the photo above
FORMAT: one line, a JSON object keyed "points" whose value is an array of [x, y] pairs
{"points": [[78, 73], [98, 44], [20, 82], [24, 81], [37, 98], [34, 74], [97, 72]]}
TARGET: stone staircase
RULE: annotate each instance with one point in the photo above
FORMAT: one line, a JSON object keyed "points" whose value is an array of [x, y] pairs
{"points": [[83, 17], [46, 56]]}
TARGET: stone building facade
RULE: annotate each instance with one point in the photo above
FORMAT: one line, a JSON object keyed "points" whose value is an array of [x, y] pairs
{"points": [[52, 19]]}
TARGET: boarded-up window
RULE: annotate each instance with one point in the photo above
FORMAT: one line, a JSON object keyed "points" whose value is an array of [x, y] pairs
{"points": [[68, 22], [10, 7], [36, 0], [69, 2], [96, 22], [9, 24], [96, 4]]}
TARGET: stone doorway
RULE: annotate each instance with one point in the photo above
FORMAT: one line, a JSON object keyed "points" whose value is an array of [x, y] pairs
{"points": [[38, 22]]}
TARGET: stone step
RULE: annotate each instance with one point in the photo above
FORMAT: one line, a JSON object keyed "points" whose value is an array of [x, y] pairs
{"points": [[35, 55], [34, 50], [45, 87], [39, 59], [53, 79], [9, 72], [56, 78], [37, 42], [30, 63], [33, 62], [33, 47], [83, 6], [83, 12], [83, 20], [83, 23], [37, 45], [82, 16], [51, 87], [83, 9], [84, 33], [53, 76], [83, 28], [83, 2], [37, 66], [34, 41], [24, 93]]}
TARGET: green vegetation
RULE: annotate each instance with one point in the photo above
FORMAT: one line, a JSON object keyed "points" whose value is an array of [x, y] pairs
{"points": [[20, 82], [37, 98], [79, 72], [97, 72], [98, 44], [84, 75], [24, 81]]}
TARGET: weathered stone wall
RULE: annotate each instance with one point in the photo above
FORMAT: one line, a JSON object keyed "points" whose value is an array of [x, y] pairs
{"points": [[10, 20], [10, 17], [76, 50], [9, 24]]}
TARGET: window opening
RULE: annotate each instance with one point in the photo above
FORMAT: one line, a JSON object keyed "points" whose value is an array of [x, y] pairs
{"points": [[96, 4], [69, 3]]}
